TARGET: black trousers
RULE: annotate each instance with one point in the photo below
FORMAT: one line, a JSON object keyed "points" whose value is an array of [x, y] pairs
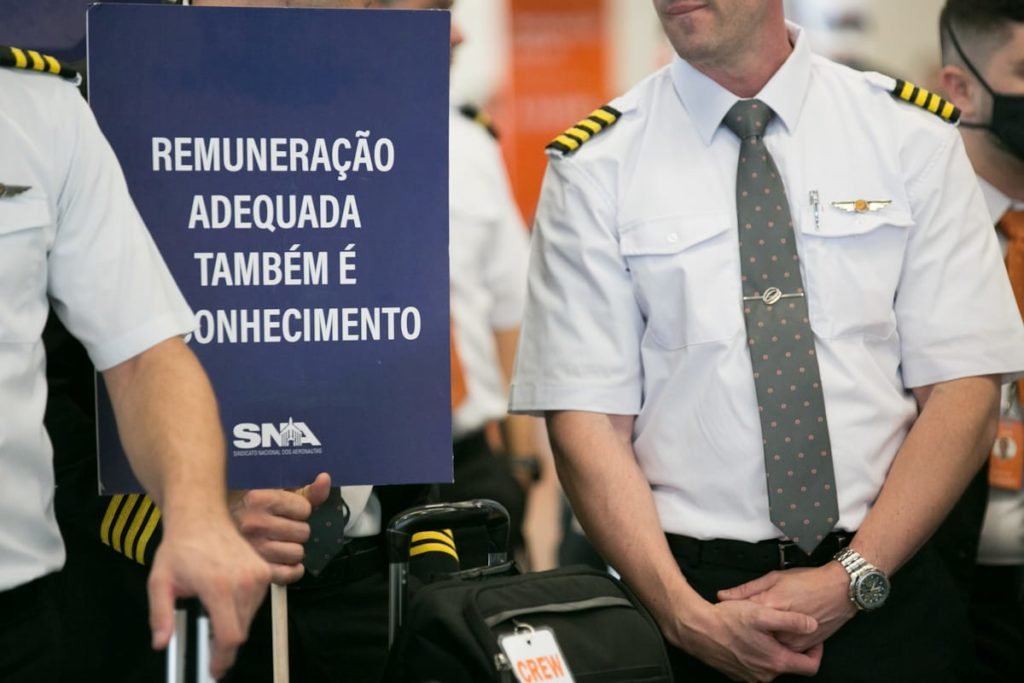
{"points": [[337, 627], [956, 540], [482, 473], [920, 634], [997, 613], [30, 635]]}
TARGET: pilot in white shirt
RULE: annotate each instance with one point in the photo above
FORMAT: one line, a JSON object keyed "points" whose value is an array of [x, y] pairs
{"points": [[634, 314]]}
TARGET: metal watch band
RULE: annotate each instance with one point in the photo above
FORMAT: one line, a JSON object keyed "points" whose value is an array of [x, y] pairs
{"points": [[853, 562], [857, 568]]}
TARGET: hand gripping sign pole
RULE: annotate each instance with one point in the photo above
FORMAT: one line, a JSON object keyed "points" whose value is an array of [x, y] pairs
{"points": [[327, 534]]}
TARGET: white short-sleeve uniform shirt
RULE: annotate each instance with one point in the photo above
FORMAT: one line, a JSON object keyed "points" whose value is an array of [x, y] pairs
{"points": [[634, 301], [489, 254], [73, 239]]}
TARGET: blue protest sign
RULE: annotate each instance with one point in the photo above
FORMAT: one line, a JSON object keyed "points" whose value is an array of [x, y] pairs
{"points": [[292, 168]]}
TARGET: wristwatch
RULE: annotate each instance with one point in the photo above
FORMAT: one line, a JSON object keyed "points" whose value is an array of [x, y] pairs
{"points": [[869, 586]]}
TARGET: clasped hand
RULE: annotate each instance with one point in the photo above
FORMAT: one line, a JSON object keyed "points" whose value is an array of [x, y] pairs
{"points": [[774, 625]]}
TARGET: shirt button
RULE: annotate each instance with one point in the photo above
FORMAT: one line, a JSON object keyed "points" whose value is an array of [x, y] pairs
{"points": [[673, 238]]}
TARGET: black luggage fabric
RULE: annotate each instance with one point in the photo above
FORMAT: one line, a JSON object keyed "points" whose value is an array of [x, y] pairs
{"points": [[450, 633]]}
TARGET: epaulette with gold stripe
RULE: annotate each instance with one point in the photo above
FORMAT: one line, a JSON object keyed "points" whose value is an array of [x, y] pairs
{"points": [[928, 101], [433, 554], [131, 526], [441, 541], [31, 60], [479, 117], [575, 137]]}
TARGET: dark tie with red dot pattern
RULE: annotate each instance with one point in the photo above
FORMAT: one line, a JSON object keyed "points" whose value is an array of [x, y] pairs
{"points": [[797, 452], [326, 532]]}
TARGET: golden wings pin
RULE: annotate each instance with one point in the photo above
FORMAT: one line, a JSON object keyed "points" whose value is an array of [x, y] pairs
{"points": [[862, 205]]}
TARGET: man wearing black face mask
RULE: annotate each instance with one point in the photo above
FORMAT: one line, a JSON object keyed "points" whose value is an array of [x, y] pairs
{"points": [[993, 27], [983, 74]]}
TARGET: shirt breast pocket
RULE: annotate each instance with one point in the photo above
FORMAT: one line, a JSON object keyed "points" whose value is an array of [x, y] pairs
{"points": [[853, 264], [685, 271], [22, 263]]}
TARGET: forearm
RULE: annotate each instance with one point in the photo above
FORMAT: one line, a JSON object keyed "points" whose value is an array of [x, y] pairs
{"points": [[947, 444], [169, 426], [521, 436], [613, 501], [520, 431]]}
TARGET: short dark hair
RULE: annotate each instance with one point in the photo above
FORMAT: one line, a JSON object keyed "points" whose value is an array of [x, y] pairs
{"points": [[979, 25]]}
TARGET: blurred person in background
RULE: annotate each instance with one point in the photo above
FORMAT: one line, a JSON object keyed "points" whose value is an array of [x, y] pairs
{"points": [[837, 29], [983, 75], [495, 453]]}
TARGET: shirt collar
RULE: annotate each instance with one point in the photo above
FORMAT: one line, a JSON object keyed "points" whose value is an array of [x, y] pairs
{"points": [[707, 102]]}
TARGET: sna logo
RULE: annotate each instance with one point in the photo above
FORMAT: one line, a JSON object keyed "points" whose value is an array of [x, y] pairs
{"points": [[290, 434]]}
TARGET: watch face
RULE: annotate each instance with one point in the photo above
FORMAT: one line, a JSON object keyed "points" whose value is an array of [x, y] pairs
{"points": [[872, 590]]}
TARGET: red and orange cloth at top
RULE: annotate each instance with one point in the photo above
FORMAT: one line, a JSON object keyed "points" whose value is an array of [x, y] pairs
{"points": [[1012, 226]]}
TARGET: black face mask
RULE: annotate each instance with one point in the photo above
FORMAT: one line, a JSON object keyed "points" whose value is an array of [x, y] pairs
{"points": [[1007, 123]]}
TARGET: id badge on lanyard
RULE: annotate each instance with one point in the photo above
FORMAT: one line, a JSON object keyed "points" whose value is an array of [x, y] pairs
{"points": [[1006, 463]]}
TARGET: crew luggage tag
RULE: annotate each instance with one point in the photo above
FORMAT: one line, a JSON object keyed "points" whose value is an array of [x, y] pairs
{"points": [[1006, 463], [535, 656]]}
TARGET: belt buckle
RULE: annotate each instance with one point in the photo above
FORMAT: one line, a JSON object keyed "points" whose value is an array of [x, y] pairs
{"points": [[784, 561]]}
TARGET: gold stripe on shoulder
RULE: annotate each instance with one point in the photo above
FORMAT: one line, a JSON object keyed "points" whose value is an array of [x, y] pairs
{"points": [[147, 534], [122, 519], [108, 518], [32, 60], [38, 63], [432, 537], [137, 520], [929, 101], [479, 117], [20, 60], [424, 548], [584, 130], [607, 114], [52, 64]]}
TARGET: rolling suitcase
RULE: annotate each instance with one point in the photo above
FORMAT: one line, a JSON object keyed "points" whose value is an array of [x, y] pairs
{"points": [[493, 624]]}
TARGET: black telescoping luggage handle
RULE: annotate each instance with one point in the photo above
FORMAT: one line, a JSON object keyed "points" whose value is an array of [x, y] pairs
{"points": [[480, 512], [187, 659]]}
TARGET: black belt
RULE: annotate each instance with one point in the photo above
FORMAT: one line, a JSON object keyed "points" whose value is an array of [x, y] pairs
{"points": [[763, 556], [358, 559]]}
